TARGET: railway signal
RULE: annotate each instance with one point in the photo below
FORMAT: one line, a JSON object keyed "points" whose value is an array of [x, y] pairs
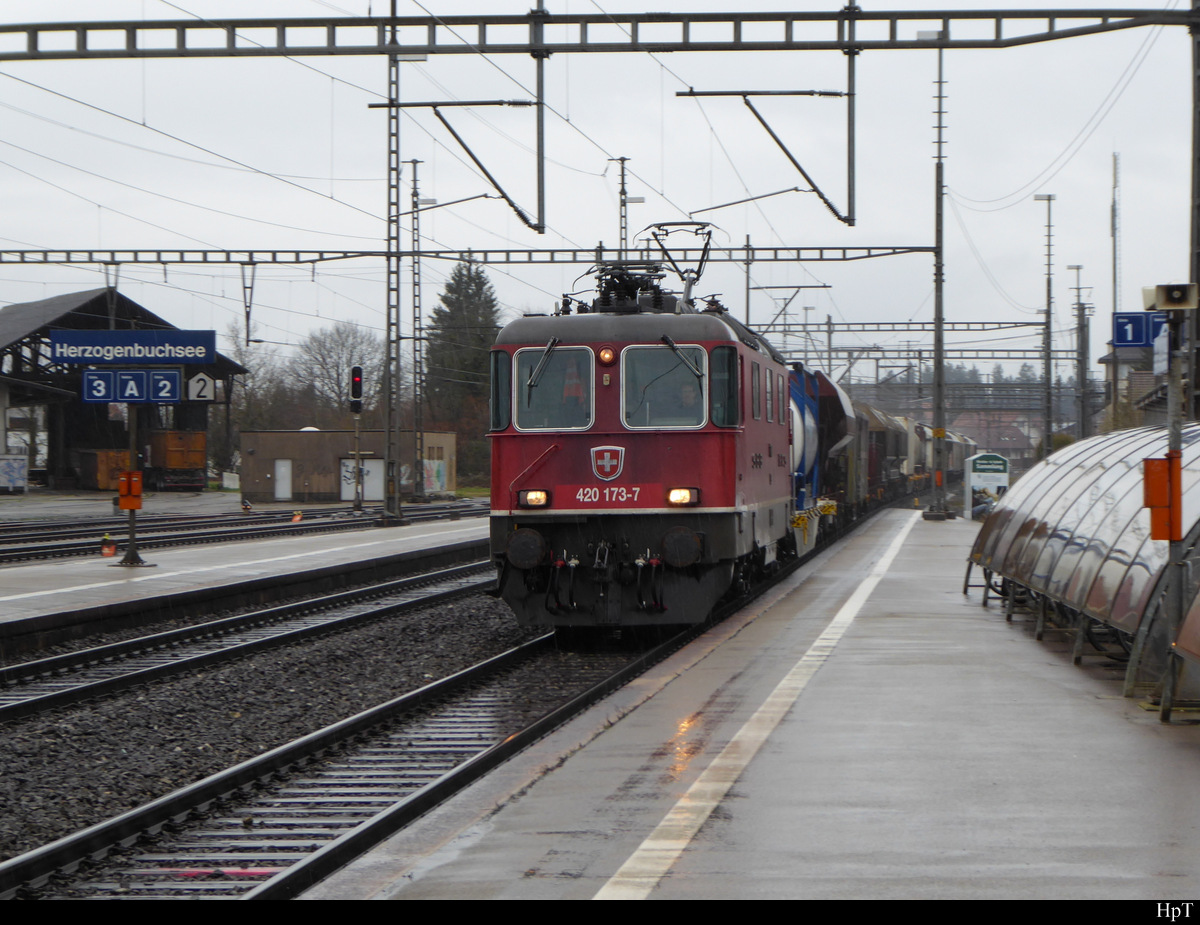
{"points": [[356, 408], [356, 389]]}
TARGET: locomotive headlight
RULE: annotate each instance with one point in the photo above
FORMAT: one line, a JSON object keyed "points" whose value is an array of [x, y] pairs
{"points": [[683, 496], [533, 498], [607, 356]]}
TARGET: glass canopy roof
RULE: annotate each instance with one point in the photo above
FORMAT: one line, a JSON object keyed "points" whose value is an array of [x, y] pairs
{"points": [[1074, 528]]}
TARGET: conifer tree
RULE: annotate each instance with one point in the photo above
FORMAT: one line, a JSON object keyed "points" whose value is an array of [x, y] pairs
{"points": [[459, 338]]}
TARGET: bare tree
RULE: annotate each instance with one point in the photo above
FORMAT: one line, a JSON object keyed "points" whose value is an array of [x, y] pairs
{"points": [[321, 367], [261, 398]]}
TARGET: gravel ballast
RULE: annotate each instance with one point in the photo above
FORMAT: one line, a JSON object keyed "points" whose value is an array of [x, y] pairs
{"points": [[67, 770]]}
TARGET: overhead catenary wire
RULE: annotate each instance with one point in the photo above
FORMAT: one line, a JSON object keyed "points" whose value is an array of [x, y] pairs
{"points": [[1085, 132]]}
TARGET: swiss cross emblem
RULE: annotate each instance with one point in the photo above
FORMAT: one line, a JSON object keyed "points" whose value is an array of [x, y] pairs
{"points": [[607, 461]]}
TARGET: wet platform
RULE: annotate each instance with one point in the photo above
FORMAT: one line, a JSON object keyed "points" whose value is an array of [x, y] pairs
{"points": [[865, 731], [80, 583]]}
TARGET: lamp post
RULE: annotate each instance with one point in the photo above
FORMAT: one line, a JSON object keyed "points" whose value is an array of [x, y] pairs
{"points": [[1047, 361]]}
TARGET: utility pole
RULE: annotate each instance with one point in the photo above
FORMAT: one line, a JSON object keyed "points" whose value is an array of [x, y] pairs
{"points": [[1081, 358], [1179, 301], [748, 262], [1116, 283], [808, 338], [625, 201], [1048, 361], [418, 342], [391, 362], [937, 508]]}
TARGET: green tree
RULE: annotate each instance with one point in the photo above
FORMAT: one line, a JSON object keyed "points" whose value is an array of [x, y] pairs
{"points": [[458, 339]]}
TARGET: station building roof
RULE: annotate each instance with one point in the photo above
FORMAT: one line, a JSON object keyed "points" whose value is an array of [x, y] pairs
{"points": [[1075, 530], [24, 324]]}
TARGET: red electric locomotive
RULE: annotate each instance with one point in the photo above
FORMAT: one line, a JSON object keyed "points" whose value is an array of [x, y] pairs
{"points": [[641, 460]]}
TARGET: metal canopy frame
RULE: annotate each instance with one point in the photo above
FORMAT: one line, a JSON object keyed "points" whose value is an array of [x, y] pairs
{"points": [[532, 256], [542, 33]]}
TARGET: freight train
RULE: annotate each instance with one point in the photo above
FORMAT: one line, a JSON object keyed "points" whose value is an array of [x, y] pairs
{"points": [[649, 456]]}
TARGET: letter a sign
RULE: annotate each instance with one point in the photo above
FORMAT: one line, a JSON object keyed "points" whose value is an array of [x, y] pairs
{"points": [[131, 386]]}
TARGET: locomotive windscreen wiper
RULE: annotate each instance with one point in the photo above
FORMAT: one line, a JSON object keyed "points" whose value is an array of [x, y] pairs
{"points": [[541, 367], [682, 358]]}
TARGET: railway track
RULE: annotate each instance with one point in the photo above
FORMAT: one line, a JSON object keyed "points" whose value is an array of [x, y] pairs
{"points": [[87, 527], [34, 687], [46, 540], [271, 827]]}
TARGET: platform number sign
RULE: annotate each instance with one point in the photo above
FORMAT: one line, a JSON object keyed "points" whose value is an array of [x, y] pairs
{"points": [[165, 386], [135, 386], [201, 388], [1137, 329], [99, 386]]}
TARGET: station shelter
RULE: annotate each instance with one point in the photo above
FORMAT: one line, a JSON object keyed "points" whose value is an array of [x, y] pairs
{"points": [[45, 425], [1072, 539]]}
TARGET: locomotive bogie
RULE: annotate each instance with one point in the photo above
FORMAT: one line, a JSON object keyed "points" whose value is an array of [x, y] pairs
{"points": [[615, 570]]}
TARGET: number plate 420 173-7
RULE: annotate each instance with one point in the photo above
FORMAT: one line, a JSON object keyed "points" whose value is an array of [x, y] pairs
{"points": [[610, 494]]}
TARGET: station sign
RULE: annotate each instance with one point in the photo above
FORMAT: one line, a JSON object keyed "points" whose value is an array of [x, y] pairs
{"points": [[1137, 329], [989, 462], [135, 386], [94, 348], [985, 472]]}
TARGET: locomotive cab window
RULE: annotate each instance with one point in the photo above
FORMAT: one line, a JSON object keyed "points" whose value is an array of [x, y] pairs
{"points": [[660, 387], [552, 388], [501, 397]]}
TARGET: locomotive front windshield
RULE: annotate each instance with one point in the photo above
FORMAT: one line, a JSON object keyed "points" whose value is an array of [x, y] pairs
{"points": [[661, 387], [553, 388]]}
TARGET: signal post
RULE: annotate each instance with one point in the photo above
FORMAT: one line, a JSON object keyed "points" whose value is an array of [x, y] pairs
{"points": [[356, 391]]}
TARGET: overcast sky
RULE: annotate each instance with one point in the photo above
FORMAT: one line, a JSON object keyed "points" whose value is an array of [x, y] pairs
{"points": [[285, 153]]}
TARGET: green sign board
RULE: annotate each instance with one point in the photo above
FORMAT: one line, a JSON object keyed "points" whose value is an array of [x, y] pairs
{"points": [[989, 462]]}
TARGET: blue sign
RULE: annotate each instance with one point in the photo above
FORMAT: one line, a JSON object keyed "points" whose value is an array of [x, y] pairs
{"points": [[1137, 329], [131, 385], [165, 386], [136, 386], [137, 348], [99, 386]]}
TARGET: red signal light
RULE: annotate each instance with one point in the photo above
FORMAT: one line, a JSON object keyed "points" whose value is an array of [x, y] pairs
{"points": [[356, 389]]}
